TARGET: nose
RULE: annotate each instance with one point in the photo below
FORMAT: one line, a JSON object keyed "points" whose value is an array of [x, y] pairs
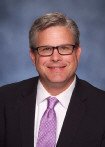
{"points": [[55, 56]]}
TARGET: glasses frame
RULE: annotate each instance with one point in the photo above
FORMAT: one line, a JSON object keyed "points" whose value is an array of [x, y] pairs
{"points": [[54, 47]]}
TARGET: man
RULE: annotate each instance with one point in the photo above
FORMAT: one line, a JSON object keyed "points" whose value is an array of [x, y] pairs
{"points": [[77, 116]]}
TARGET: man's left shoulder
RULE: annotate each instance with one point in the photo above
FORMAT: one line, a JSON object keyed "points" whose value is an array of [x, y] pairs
{"points": [[89, 89], [93, 97]]}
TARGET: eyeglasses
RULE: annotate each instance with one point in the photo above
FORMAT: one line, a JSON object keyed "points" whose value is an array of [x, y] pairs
{"points": [[66, 49]]}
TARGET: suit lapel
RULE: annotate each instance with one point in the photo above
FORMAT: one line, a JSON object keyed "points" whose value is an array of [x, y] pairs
{"points": [[27, 115], [74, 116]]}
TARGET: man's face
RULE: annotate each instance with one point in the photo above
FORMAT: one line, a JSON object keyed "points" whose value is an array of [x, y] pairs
{"points": [[56, 69]]}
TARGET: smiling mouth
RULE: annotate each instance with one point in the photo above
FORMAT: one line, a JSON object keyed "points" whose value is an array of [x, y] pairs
{"points": [[56, 67]]}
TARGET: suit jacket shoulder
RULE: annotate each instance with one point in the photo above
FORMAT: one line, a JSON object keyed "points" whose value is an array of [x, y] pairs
{"points": [[89, 90], [11, 91]]}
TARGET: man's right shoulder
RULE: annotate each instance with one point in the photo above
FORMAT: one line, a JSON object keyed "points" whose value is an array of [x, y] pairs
{"points": [[16, 88]]}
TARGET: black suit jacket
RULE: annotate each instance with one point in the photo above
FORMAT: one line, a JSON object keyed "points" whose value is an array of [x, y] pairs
{"points": [[84, 124]]}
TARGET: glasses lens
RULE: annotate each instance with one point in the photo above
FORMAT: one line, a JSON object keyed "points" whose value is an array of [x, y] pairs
{"points": [[66, 49], [45, 50]]}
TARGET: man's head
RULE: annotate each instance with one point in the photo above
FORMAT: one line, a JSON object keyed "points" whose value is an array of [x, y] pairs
{"points": [[50, 20], [55, 51]]}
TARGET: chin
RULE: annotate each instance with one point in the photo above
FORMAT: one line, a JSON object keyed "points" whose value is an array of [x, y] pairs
{"points": [[58, 81]]}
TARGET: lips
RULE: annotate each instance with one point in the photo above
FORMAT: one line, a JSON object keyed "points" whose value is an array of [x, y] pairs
{"points": [[56, 68]]}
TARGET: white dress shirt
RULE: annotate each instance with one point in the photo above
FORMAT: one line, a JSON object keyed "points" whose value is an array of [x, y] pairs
{"points": [[60, 108]]}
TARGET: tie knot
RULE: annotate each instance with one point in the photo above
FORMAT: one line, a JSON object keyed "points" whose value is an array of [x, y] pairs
{"points": [[52, 101]]}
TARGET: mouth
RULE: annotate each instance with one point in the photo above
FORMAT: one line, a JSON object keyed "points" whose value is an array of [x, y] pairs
{"points": [[56, 68]]}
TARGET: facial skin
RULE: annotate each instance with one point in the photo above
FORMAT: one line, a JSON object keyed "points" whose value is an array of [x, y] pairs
{"points": [[56, 71]]}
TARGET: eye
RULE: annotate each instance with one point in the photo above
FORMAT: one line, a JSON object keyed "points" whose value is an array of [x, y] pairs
{"points": [[45, 48], [64, 47]]}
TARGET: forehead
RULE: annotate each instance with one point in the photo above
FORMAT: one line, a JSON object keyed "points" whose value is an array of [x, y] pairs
{"points": [[55, 35]]}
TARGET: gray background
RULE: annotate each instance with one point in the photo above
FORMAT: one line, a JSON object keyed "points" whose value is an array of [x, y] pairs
{"points": [[16, 17]]}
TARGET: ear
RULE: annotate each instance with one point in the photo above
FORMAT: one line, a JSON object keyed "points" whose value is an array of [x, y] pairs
{"points": [[32, 56], [78, 53]]}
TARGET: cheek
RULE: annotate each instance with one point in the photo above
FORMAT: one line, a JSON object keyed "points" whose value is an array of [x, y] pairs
{"points": [[72, 62], [40, 63]]}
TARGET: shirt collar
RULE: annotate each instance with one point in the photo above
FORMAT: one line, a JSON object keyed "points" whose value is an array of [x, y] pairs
{"points": [[64, 97]]}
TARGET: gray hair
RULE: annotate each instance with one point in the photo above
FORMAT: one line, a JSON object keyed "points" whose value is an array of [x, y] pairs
{"points": [[53, 19]]}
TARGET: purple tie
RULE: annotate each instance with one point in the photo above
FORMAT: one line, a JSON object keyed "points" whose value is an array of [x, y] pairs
{"points": [[47, 129]]}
